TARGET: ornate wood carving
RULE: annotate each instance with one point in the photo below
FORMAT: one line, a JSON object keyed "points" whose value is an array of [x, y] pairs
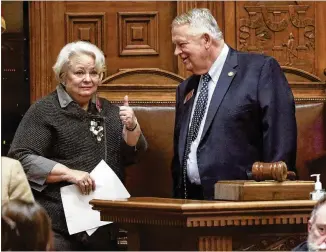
{"points": [[89, 27], [268, 242], [286, 32], [138, 33]]}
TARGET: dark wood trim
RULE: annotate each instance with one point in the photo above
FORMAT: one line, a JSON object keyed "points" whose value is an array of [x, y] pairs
{"points": [[153, 71], [39, 55]]}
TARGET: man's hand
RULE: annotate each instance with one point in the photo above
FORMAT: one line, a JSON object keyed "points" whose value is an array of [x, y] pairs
{"points": [[127, 115]]}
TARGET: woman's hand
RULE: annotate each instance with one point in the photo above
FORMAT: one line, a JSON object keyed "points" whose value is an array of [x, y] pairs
{"points": [[127, 115], [83, 179]]}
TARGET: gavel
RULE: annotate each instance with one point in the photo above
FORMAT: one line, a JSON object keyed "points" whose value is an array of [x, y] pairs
{"points": [[271, 171]]}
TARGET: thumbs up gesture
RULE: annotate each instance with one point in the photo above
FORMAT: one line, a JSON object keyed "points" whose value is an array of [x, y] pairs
{"points": [[127, 115]]}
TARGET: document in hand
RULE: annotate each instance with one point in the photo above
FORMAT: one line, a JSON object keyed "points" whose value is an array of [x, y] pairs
{"points": [[78, 212]]}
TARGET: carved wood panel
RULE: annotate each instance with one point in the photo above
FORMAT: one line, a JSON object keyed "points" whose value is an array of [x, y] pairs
{"points": [[269, 242], [87, 27], [286, 32], [292, 32], [138, 33]]}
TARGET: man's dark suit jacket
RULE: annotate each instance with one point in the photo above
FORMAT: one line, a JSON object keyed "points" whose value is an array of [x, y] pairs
{"points": [[251, 118]]}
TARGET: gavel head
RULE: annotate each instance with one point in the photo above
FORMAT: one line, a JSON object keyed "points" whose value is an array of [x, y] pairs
{"points": [[269, 171]]}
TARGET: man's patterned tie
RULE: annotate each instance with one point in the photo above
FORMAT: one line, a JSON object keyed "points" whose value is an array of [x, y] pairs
{"points": [[195, 125]]}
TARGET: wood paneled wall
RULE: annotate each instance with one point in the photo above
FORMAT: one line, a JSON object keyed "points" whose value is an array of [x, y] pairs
{"points": [[137, 37]]}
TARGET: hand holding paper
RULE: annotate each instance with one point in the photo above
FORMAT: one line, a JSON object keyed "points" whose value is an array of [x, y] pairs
{"points": [[78, 212]]}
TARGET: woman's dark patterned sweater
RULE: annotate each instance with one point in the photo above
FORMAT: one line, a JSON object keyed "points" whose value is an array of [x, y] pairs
{"points": [[62, 134]]}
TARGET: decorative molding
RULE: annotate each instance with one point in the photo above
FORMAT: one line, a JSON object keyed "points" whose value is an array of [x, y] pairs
{"points": [[150, 221], [310, 99], [149, 71], [136, 87], [247, 220], [172, 103], [144, 85], [90, 26], [209, 221], [138, 33], [147, 103]]}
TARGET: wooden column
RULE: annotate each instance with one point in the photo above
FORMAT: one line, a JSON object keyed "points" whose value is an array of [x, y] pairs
{"points": [[45, 19], [229, 25], [320, 62], [38, 50]]}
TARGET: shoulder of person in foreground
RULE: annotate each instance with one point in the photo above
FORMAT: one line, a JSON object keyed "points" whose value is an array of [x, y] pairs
{"points": [[14, 181]]}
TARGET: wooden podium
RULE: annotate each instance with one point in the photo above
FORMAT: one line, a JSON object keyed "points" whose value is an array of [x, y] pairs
{"points": [[173, 224]]}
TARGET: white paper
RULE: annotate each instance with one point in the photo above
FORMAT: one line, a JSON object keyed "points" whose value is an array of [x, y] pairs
{"points": [[91, 231], [78, 212]]}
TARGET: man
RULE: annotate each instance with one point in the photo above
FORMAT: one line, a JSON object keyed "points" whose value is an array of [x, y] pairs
{"points": [[316, 229], [236, 108]]}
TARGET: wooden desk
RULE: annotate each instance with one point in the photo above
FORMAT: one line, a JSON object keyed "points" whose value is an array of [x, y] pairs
{"points": [[173, 224]]}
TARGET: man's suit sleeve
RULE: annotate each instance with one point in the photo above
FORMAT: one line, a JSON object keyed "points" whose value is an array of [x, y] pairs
{"points": [[278, 115]]}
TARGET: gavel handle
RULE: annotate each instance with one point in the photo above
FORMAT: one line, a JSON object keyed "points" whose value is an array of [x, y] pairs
{"points": [[291, 175]]}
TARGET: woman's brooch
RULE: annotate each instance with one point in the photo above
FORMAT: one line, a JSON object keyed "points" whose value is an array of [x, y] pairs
{"points": [[97, 130]]}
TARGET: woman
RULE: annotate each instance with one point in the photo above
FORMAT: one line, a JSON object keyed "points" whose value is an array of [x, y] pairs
{"points": [[25, 227], [63, 136]]}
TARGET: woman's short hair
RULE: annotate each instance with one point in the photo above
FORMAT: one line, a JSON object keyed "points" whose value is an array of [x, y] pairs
{"points": [[25, 226], [200, 21], [78, 48]]}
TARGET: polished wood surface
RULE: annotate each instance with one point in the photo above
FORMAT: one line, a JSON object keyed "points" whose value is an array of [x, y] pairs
{"points": [[176, 224], [246, 190]]}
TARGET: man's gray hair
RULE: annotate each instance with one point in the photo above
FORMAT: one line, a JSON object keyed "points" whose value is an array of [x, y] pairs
{"points": [[200, 21], [77, 48]]}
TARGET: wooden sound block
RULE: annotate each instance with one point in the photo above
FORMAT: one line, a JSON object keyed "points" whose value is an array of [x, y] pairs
{"points": [[250, 190]]}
